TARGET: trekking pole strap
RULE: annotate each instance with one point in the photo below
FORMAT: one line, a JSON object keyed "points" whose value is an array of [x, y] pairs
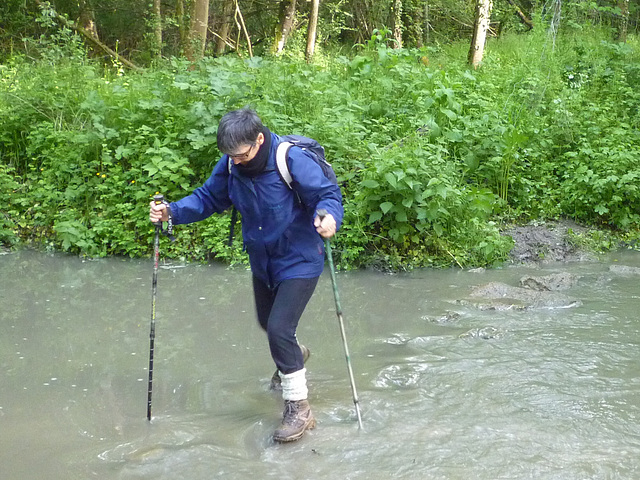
{"points": [[232, 227]]}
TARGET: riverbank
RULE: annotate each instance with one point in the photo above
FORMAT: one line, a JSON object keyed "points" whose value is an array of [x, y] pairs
{"points": [[559, 241], [543, 242], [547, 241]]}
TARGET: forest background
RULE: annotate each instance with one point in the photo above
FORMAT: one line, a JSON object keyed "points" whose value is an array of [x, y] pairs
{"points": [[440, 139]]}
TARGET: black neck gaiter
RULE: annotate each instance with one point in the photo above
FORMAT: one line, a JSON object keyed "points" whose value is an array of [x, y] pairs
{"points": [[256, 165]]}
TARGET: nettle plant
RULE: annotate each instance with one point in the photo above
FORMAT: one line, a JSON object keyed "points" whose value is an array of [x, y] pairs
{"points": [[418, 210]]}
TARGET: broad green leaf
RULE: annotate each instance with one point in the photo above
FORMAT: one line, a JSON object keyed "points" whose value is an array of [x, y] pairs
{"points": [[390, 177], [369, 183], [601, 209], [151, 168], [375, 216], [442, 191], [386, 206], [122, 152], [449, 113]]}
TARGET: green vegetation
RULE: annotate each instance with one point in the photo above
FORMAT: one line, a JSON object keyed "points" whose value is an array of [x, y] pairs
{"points": [[431, 158]]}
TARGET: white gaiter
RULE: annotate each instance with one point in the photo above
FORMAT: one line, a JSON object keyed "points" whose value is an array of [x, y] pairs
{"points": [[294, 385]]}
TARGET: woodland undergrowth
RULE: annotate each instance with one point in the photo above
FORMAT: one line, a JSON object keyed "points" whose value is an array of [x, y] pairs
{"points": [[432, 157]]}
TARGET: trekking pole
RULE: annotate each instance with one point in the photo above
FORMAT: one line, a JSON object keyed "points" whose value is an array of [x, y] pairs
{"points": [[158, 199], [327, 244]]}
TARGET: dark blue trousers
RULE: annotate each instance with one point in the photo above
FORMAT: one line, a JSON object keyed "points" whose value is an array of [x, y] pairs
{"points": [[279, 311]]}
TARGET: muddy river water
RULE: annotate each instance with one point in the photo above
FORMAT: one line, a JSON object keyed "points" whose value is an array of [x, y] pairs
{"points": [[449, 388]]}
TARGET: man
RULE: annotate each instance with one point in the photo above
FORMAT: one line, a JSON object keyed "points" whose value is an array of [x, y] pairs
{"points": [[282, 235]]}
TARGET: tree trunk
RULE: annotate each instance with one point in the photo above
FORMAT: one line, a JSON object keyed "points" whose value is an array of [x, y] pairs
{"points": [[483, 14], [413, 23], [311, 32], [623, 21], [225, 26], [197, 38], [157, 29], [427, 23], [87, 18], [182, 29], [362, 20], [287, 15], [397, 23]]}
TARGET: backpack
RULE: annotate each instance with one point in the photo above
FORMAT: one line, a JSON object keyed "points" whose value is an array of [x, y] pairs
{"points": [[307, 144], [310, 146]]}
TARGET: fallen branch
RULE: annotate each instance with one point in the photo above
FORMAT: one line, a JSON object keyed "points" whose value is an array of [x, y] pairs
{"points": [[461, 22], [93, 40], [226, 41], [521, 14], [242, 27]]}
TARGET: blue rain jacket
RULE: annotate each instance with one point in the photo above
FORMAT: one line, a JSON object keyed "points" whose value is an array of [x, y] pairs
{"points": [[277, 228]]}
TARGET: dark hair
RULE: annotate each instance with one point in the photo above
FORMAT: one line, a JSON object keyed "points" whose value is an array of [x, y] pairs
{"points": [[238, 128]]}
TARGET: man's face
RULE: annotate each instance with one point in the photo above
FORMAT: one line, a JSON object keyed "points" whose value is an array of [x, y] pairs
{"points": [[246, 153]]}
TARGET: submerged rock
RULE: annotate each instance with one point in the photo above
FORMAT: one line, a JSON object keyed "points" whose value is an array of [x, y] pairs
{"points": [[555, 281], [624, 270], [477, 270], [446, 318], [486, 333], [500, 296]]}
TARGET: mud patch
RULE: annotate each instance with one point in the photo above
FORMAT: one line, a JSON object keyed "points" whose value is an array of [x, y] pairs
{"points": [[546, 242]]}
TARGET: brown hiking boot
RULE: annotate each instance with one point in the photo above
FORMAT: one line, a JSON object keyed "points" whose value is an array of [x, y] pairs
{"points": [[276, 381], [296, 419]]}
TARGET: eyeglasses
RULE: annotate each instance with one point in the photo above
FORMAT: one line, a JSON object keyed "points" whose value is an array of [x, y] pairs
{"points": [[242, 156]]}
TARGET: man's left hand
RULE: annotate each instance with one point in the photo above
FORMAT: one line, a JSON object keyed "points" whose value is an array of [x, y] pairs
{"points": [[326, 226]]}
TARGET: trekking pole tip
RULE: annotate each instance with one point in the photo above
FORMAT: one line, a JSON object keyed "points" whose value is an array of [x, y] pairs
{"points": [[360, 427]]}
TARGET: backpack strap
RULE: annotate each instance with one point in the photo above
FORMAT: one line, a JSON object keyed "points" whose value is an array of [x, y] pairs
{"points": [[234, 211], [282, 164]]}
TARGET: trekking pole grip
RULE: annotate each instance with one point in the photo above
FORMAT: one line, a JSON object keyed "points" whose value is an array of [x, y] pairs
{"points": [[322, 212], [332, 269], [158, 199]]}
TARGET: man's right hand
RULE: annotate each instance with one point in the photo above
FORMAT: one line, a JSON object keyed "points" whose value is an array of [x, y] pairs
{"points": [[158, 213]]}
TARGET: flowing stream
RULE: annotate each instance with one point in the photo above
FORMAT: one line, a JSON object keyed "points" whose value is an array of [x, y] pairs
{"points": [[447, 390]]}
